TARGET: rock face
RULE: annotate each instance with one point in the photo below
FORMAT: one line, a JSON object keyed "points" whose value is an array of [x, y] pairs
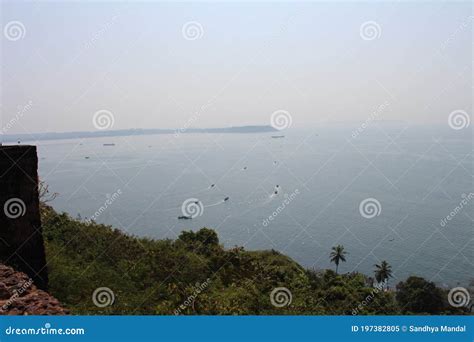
{"points": [[20, 296], [21, 239]]}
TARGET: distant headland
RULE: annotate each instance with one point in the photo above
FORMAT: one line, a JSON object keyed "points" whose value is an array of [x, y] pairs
{"points": [[129, 132]]}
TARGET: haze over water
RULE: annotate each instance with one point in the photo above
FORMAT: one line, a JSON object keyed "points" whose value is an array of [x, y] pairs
{"points": [[418, 174]]}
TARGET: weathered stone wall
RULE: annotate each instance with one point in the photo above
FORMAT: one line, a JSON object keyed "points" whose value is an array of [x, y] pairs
{"points": [[21, 240], [20, 296]]}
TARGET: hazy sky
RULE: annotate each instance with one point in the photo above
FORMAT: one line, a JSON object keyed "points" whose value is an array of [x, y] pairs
{"points": [[249, 60]]}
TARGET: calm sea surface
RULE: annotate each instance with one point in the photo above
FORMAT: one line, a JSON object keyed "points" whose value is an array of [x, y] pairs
{"points": [[413, 177]]}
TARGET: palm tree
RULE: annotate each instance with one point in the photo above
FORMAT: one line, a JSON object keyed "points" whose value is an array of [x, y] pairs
{"points": [[337, 255], [382, 272]]}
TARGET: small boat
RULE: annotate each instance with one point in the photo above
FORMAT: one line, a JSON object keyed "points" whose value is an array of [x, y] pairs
{"points": [[108, 144], [276, 192], [184, 217], [277, 136], [212, 185], [86, 157], [245, 168], [226, 199]]}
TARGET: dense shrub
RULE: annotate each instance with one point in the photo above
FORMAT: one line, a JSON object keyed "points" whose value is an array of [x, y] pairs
{"points": [[196, 275]]}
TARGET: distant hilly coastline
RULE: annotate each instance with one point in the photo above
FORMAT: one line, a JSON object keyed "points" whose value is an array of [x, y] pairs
{"points": [[129, 132]]}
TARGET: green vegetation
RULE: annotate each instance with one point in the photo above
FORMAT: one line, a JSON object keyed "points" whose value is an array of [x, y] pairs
{"points": [[337, 255], [383, 272], [418, 295], [196, 275]]}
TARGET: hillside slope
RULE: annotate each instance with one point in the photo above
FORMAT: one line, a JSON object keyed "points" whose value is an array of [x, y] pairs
{"points": [[196, 275]]}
